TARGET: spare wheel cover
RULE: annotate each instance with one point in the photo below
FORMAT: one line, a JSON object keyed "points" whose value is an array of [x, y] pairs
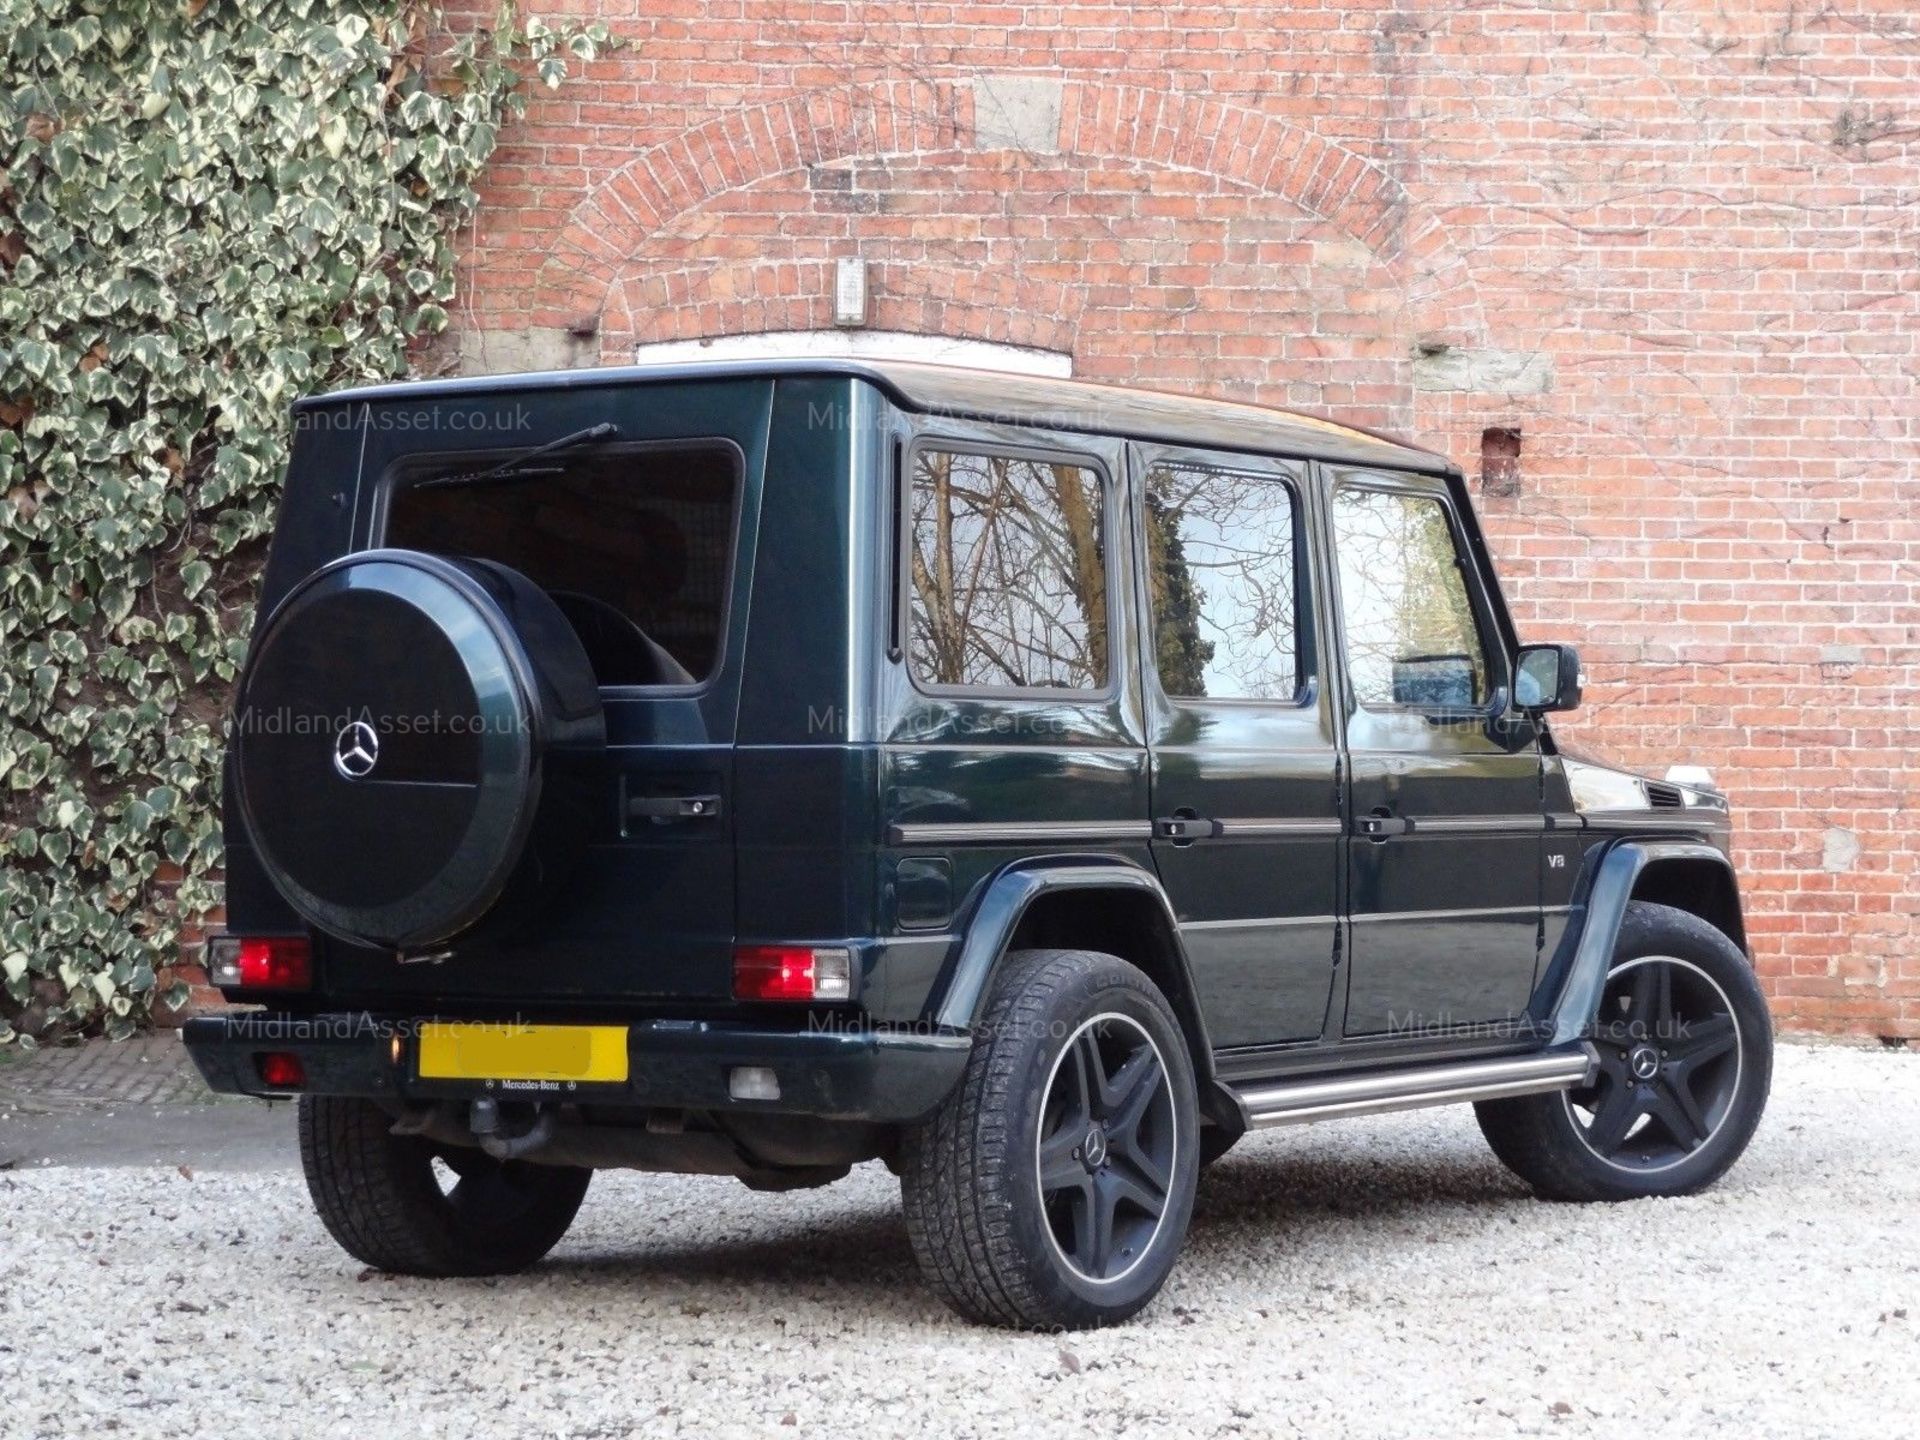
{"points": [[388, 747]]}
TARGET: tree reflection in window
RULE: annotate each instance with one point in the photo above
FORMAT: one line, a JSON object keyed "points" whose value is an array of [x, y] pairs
{"points": [[1220, 562], [1411, 637], [1009, 582]]}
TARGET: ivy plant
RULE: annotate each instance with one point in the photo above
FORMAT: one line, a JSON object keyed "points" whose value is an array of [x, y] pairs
{"points": [[207, 209]]}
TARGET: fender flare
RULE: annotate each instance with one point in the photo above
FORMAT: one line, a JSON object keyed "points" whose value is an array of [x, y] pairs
{"points": [[961, 996], [1578, 974]]}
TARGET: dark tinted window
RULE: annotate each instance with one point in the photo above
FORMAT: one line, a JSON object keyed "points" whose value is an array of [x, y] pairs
{"points": [[634, 543], [1221, 569], [1009, 572], [1411, 637]]}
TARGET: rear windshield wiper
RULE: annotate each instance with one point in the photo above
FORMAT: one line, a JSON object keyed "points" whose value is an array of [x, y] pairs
{"points": [[515, 469]]}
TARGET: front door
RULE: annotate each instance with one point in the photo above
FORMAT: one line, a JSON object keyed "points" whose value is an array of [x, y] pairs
{"points": [[1247, 828], [1444, 804]]}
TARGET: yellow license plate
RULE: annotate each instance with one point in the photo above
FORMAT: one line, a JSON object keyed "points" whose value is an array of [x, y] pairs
{"points": [[589, 1053]]}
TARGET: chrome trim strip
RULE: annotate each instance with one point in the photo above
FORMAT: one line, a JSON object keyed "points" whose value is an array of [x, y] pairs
{"points": [[1331, 825], [1475, 824], [1262, 922], [1298, 1102], [1614, 821], [1008, 832], [1467, 914]]}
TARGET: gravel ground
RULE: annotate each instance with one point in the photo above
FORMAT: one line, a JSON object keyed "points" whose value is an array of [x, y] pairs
{"points": [[1373, 1277]]}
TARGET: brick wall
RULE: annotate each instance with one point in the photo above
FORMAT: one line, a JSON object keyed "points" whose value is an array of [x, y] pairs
{"points": [[1675, 246]]}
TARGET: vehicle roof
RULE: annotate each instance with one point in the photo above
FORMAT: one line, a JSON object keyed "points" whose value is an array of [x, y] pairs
{"points": [[990, 395]]}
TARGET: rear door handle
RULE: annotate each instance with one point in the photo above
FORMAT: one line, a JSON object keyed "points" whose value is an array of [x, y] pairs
{"points": [[1378, 827], [673, 807], [1185, 829]]}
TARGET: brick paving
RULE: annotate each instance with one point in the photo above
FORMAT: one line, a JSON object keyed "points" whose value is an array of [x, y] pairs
{"points": [[65, 1079]]}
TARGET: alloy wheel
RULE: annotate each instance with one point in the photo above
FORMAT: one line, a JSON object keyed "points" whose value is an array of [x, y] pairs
{"points": [[1670, 1056], [1106, 1149]]}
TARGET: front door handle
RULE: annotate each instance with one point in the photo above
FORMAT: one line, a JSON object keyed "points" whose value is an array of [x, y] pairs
{"points": [[1379, 825], [1185, 829]]}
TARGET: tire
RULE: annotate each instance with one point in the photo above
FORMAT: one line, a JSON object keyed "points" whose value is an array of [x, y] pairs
{"points": [[1676, 1099], [1000, 1249], [379, 1196]]}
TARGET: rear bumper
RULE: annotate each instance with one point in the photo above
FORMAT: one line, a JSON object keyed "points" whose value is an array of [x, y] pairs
{"points": [[873, 1075]]}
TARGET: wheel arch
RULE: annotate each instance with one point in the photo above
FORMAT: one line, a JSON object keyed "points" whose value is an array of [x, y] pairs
{"points": [[1689, 875], [1080, 903], [1698, 885]]}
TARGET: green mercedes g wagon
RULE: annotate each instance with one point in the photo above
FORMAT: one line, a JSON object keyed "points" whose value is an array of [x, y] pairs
{"points": [[761, 769]]}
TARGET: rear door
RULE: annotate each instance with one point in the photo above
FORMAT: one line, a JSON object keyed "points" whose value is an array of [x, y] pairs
{"points": [[1247, 828], [1445, 802], [639, 541], [1012, 723]]}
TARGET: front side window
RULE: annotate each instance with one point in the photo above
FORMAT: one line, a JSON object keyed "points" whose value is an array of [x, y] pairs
{"points": [[1222, 577], [1008, 585], [634, 544], [1411, 637]]}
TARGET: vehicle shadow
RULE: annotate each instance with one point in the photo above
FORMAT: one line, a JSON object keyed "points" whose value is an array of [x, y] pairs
{"points": [[1266, 1179], [1273, 1198]]}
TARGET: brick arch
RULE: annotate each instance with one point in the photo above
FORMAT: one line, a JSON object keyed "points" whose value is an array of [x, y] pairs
{"points": [[1239, 147]]}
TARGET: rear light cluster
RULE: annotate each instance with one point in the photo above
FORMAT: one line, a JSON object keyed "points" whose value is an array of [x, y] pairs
{"points": [[792, 972], [277, 962]]}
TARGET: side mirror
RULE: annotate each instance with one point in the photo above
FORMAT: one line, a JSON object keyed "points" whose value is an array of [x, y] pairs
{"points": [[1546, 677]]}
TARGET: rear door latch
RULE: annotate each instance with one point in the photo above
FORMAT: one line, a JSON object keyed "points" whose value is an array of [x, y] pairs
{"points": [[673, 807]]}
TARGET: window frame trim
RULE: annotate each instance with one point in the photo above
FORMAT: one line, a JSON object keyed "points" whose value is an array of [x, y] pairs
{"points": [[1307, 688], [903, 595], [391, 482], [1495, 704]]}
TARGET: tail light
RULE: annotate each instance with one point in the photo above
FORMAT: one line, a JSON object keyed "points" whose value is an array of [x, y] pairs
{"points": [[792, 972], [281, 1070], [276, 962]]}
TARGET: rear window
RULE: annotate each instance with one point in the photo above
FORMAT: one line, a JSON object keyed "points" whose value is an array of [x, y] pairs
{"points": [[1009, 572], [635, 544]]}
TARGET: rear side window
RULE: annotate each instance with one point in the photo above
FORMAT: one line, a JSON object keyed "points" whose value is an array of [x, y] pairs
{"points": [[1008, 582], [1411, 637], [635, 544], [1223, 576]]}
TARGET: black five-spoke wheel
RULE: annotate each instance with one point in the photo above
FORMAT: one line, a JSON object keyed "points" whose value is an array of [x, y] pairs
{"points": [[1669, 1064], [1106, 1150], [1685, 1052], [1053, 1187]]}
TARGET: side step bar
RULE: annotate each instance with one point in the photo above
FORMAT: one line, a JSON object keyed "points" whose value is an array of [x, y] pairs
{"points": [[1296, 1102]]}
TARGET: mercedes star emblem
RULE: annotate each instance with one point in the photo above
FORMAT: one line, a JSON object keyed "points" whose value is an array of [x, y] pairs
{"points": [[356, 750]]}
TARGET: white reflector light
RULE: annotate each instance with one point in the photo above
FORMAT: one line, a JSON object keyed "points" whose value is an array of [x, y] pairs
{"points": [[752, 1082]]}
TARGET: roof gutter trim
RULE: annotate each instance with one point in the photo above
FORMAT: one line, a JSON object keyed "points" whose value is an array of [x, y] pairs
{"points": [[1341, 443]]}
